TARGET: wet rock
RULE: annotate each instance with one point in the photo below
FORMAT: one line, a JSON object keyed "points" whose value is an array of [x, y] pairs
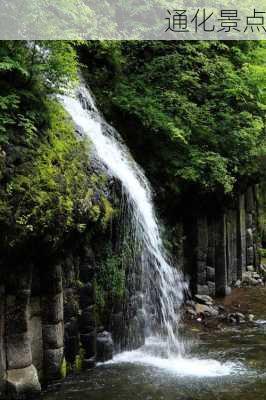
{"points": [[203, 290], [203, 299], [255, 275], [52, 309], [53, 336], [250, 317], [53, 359], [237, 284], [105, 346], [250, 268], [248, 280], [211, 286], [191, 312], [23, 383], [88, 363], [236, 317], [262, 269], [206, 310], [221, 308]]}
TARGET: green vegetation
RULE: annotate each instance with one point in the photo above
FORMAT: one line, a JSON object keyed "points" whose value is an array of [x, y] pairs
{"points": [[47, 190], [196, 110]]}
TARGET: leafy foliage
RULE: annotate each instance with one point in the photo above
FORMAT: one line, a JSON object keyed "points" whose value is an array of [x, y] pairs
{"points": [[195, 109], [47, 189]]}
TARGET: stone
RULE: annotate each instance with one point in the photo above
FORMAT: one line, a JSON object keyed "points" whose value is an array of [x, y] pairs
{"points": [[250, 268], [255, 275], [203, 299], [52, 309], [262, 269], [236, 317], [211, 286], [210, 274], [249, 237], [71, 328], [250, 317], [18, 351], [250, 255], [206, 310], [51, 280], [105, 346], [237, 284], [88, 363], [53, 336], [201, 273], [53, 359], [17, 317], [203, 289], [23, 383], [71, 310], [191, 312], [248, 279]]}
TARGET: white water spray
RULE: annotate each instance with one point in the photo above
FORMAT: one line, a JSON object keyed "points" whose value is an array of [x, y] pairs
{"points": [[164, 350], [159, 276]]}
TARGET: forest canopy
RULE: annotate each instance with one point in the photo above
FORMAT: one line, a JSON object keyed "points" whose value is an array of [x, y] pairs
{"points": [[193, 113]]}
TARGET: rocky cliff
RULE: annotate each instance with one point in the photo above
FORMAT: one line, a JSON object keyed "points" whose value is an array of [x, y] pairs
{"points": [[49, 320]]}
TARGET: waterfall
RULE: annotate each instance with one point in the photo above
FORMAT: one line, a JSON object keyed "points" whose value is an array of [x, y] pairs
{"points": [[163, 284]]}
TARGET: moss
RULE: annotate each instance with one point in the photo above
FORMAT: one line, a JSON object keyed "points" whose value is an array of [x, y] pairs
{"points": [[79, 361], [63, 369]]}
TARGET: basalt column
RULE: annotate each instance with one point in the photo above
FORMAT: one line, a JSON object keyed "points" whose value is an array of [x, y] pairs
{"points": [[52, 321], [21, 375]]}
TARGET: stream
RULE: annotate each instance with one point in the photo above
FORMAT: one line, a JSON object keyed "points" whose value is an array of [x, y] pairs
{"points": [[225, 362]]}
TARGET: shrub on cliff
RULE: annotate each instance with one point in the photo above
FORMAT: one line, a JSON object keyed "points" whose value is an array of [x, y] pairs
{"points": [[195, 109], [47, 190]]}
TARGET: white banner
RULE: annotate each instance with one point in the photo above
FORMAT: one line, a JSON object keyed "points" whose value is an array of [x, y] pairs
{"points": [[132, 19]]}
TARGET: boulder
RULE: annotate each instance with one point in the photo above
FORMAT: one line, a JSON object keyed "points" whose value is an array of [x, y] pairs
{"points": [[23, 383], [206, 310], [203, 299], [237, 284], [236, 317]]}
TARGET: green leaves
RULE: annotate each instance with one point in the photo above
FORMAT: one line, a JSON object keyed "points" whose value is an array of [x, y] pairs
{"points": [[196, 108]]}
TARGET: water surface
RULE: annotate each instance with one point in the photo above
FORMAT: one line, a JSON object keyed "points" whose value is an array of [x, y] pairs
{"points": [[225, 363]]}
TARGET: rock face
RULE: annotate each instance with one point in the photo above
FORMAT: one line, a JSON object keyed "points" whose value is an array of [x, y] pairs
{"points": [[220, 245], [48, 313], [48, 324]]}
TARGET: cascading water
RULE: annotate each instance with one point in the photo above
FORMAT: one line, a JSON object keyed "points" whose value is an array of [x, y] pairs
{"points": [[163, 286]]}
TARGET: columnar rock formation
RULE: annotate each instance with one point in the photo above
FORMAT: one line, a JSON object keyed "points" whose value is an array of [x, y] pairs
{"points": [[48, 325], [48, 321], [220, 247]]}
